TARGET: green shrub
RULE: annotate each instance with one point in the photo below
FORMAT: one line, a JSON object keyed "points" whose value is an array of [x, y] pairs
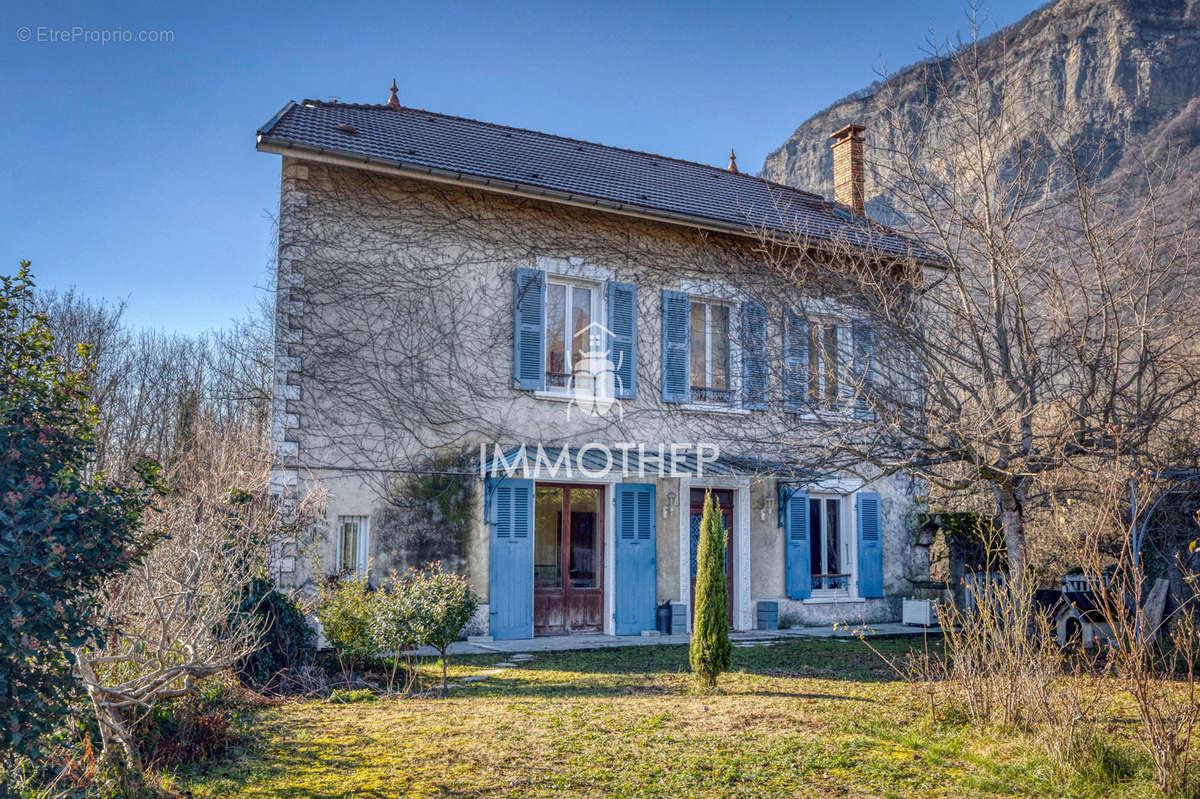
{"points": [[710, 650], [392, 628], [440, 606], [287, 638], [345, 612], [64, 531]]}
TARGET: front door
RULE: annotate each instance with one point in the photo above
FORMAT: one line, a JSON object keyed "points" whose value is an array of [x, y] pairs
{"points": [[724, 499], [568, 558]]}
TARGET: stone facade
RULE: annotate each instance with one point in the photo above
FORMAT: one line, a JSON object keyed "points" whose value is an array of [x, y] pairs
{"points": [[394, 351]]}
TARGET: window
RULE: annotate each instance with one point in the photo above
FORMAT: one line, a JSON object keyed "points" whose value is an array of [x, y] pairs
{"points": [[824, 364], [819, 354], [352, 544], [710, 352], [566, 537], [829, 562], [572, 328]]}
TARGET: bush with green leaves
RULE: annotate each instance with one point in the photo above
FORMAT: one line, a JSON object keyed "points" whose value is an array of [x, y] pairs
{"points": [[711, 650], [346, 607], [287, 637], [441, 605], [392, 628], [64, 530]]}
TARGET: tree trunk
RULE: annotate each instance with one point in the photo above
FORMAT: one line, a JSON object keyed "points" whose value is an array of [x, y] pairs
{"points": [[1011, 499], [444, 689], [118, 747]]}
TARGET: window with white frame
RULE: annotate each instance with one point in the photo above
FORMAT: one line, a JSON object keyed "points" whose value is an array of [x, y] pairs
{"points": [[710, 355], [831, 558], [819, 360], [825, 362], [352, 544], [573, 327]]}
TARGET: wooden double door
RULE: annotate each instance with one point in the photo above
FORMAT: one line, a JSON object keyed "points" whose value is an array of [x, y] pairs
{"points": [[724, 498], [568, 559]]}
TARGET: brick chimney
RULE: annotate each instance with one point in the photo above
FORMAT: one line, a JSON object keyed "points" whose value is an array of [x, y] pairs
{"points": [[848, 188]]}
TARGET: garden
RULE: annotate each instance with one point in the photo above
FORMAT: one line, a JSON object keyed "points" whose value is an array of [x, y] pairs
{"points": [[818, 717]]}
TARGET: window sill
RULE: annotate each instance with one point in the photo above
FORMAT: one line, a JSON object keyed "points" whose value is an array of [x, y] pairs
{"points": [[713, 407], [554, 396], [838, 599], [840, 415]]}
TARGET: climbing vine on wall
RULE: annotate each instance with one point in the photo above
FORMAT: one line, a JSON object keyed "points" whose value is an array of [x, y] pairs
{"points": [[443, 490], [426, 515]]}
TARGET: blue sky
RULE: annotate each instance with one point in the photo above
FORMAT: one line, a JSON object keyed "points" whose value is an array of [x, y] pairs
{"points": [[128, 169]]}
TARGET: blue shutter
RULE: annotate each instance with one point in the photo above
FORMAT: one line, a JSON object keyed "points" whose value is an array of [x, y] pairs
{"points": [[622, 323], [862, 370], [635, 577], [797, 551], [676, 346], [795, 360], [870, 546], [529, 329], [510, 579], [754, 356]]}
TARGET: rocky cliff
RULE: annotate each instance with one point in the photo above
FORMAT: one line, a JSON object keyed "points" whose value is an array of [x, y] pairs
{"points": [[1129, 68]]}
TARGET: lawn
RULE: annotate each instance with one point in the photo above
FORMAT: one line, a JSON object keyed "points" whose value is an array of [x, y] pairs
{"points": [[811, 718]]}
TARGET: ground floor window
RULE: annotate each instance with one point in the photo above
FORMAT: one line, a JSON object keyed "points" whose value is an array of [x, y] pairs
{"points": [[830, 560], [352, 544]]}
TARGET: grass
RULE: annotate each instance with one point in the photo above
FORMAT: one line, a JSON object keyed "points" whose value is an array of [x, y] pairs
{"points": [[803, 718]]}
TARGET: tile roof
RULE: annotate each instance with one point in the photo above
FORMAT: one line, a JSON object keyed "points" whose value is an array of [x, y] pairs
{"points": [[531, 162]]}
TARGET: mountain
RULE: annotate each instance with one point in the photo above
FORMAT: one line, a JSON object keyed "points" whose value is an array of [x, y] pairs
{"points": [[1130, 68]]}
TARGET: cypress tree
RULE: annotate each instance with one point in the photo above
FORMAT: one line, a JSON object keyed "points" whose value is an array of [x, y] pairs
{"points": [[710, 650]]}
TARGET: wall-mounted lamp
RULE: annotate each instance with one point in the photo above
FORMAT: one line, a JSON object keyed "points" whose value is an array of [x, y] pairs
{"points": [[668, 504], [765, 509]]}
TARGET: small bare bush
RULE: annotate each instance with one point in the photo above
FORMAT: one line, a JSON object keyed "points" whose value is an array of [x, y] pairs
{"points": [[169, 620], [1153, 653]]}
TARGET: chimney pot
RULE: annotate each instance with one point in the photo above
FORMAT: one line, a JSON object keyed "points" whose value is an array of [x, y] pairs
{"points": [[848, 168]]}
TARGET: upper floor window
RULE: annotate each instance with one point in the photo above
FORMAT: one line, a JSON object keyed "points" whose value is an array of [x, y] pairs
{"points": [[574, 334], [825, 363], [572, 321], [710, 379]]}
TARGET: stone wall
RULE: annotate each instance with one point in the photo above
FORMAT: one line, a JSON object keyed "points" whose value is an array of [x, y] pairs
{"points": [[394, 347]]}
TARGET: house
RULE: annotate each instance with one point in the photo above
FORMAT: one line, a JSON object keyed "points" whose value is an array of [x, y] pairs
{"points": [[530, 356]]}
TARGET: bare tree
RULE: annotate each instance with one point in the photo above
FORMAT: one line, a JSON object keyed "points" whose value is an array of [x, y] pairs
{"points": [[169, 619], [1041, 314], [150, 387]]}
